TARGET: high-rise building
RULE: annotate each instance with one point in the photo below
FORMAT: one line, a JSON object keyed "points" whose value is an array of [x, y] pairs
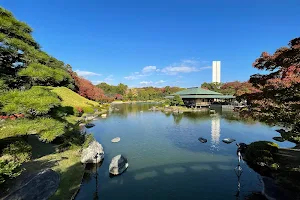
{"points": [[216, 71]]}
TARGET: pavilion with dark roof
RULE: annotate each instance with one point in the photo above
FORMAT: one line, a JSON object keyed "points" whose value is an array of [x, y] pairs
{"points": [[199, 97]]}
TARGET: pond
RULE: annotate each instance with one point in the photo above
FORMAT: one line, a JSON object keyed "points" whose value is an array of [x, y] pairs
{"points": [[166, 160]]}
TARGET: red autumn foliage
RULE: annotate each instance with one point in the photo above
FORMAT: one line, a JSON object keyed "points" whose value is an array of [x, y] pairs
{"points": [[12, 117], [118, 97], [87, 89], [238, 88], [79, 109], [279, 96]]}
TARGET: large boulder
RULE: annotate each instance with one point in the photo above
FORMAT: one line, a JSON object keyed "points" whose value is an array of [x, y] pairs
{"points": [[41, 185], [93, 153], [118, 165]]}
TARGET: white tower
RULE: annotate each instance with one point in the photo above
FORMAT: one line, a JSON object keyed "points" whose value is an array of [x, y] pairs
{"points": [[216, 71]]}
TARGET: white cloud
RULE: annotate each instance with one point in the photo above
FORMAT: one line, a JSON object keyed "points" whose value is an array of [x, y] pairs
{"points": [[149, 69], [86, 73], [160, 82], [146, 82], [185, 66], [109, 78], [175, 70], [97, 82]]}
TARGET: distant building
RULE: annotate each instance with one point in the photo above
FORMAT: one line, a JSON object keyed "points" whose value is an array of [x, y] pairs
{"points": [[216, 71], [199, 97]]}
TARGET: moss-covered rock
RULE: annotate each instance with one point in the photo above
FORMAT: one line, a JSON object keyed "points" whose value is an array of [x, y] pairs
{"points": [[261, 153]]}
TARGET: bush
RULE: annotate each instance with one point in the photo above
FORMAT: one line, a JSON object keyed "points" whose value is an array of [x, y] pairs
{"points": [[19, 151], [8, 169], [261, 151], [47, 129], [177, 101], [33, 102]]}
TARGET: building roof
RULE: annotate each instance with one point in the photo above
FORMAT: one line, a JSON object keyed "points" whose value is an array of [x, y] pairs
{"points": [[214, 96], [200, 93], [196, 91]]}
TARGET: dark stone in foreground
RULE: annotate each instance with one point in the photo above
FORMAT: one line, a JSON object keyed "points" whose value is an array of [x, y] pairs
{"points": [[41, 186], [118, 165]]}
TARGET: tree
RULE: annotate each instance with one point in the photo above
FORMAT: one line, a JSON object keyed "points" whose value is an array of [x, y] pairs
{"points": [[237, 88], [278, 98], [177, 101], [18, 50], [34, 102], [211, 86], [86, 89]]}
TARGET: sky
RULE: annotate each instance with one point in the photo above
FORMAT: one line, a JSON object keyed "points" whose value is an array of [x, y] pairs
{"points": [[159, 42]]}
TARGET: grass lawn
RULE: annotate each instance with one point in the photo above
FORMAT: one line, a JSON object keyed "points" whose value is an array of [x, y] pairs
{"points": [[67, 164], [72, 99]]}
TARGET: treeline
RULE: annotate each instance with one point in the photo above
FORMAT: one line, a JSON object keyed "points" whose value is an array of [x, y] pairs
{"points": [[122, 92], [235, 88]]}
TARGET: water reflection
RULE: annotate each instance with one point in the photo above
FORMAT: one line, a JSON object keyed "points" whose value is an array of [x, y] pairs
{"points": [[215, 133], [167, 160]]}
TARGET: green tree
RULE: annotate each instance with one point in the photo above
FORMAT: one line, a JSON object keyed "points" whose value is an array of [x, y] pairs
{"points": [[18, 50], [212, 86], [33, 102], [177, 101]]}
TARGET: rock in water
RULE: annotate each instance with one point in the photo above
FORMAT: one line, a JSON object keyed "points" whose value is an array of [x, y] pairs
{"points": [[104, 115], [117, 139], [228, 140], [118, 165], [278, 139], [89, 125], [42, 185], [203, 140], [93, 154]]}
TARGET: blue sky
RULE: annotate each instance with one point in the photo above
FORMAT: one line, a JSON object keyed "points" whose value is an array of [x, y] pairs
{"points": [[159, 42]]}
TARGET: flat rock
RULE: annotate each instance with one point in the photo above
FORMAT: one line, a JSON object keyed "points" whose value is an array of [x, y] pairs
{"points": [[117, 139], [228, 140], [42, 185], [89, 125], [118, 165], [93, 153], [203, 140], [104, 115]]}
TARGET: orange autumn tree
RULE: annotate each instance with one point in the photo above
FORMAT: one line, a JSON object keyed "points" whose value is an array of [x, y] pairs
{"points": [[237, 88], [86, 89], [278, 100]]}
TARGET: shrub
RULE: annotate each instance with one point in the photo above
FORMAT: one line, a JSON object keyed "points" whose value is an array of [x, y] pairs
{"points": [[33, 102], [20, 151], [47, 129], [177, 101], [8, 169], [261, 151]]}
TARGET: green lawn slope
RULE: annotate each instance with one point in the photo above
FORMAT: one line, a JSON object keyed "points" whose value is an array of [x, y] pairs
{"points": [[70, 98]]}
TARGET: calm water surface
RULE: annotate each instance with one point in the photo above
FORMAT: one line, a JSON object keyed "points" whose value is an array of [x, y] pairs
{"points": [[166, 160]]}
